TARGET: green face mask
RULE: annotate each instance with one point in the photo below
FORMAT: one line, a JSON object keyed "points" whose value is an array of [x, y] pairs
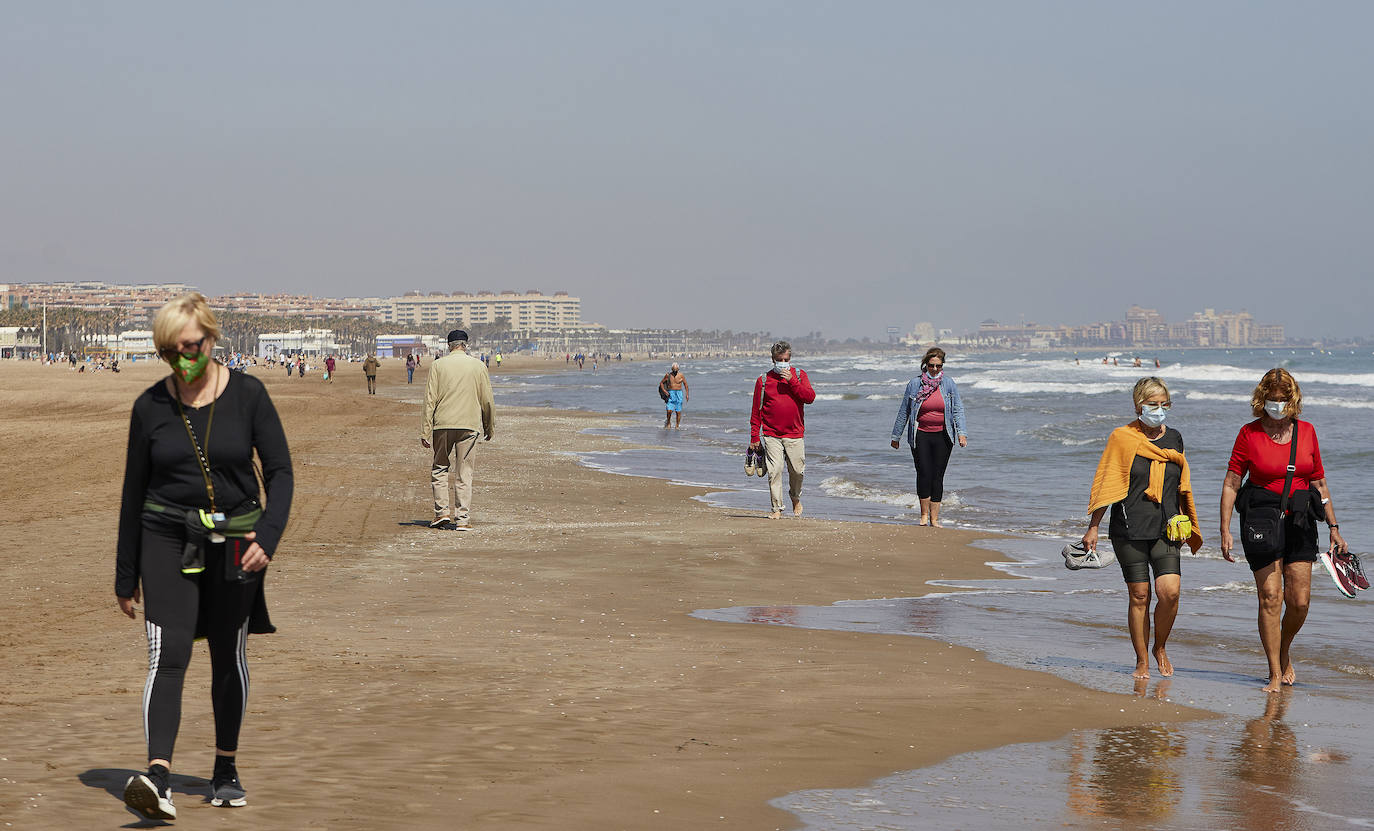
{"points": [[189, 368]]}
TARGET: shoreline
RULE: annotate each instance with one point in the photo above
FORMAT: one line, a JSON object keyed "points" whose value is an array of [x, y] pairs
{"points": [[543, 668]]}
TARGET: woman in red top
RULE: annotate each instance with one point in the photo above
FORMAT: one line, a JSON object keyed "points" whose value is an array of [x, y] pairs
{"points": [[1283, 580]]}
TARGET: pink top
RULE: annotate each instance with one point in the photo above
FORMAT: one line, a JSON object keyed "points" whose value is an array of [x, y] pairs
{"points": [[931, 418]]}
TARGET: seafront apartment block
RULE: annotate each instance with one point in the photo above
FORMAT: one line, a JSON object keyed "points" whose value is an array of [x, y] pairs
{"points": [[531, 310]]}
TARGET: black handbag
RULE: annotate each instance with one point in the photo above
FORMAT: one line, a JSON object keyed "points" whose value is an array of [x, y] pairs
{"points": [[1261, 526]]}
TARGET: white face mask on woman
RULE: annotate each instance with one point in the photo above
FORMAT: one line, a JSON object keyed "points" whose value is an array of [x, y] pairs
{"points": [[1274, 409], [781, 367]]}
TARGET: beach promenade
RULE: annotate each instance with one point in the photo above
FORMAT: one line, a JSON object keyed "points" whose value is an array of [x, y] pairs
{"points": [[541, 671]]}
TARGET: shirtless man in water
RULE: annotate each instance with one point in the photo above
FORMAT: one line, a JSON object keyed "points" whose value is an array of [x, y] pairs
{"points": [[675, 384]]}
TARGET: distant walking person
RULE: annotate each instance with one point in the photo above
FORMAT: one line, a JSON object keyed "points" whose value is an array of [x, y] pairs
{"points": [[458, 404], [931, 413], [1280, 461], [777, 425], [195, 537], [370, 370], [410, 369], [673, 389], [329, 365]]}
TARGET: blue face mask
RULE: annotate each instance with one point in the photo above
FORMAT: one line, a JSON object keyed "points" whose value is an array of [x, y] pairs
{"points": [[1153, 416]]}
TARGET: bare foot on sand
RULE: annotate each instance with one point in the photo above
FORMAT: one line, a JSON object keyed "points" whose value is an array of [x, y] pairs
{"points": [[1271, 686], [1166, 667], [775, 515], [1142, 670], [1289, 677], [925, 520], [935, 523], [796, 509]]}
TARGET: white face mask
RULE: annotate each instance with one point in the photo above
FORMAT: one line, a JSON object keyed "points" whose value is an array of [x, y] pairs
{"points": [[1275, 409], [781, 367], [1153, 416]]}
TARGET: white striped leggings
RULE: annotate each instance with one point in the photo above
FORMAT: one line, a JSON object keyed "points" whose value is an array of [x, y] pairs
{"points": [[178, 608]]}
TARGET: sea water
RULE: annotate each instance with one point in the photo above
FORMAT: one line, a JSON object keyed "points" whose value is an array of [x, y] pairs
{"points": [[1037, 423]]}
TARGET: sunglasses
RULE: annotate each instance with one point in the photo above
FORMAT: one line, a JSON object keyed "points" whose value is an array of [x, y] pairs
{"points": [[182, 348], [935, 366]]}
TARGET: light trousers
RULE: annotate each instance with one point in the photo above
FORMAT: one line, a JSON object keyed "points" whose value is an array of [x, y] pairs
{"points": [[451, 473], [794, 452]]}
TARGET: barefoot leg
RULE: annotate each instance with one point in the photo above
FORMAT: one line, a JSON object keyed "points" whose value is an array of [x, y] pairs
{"points": [[1297, 594], [1166, 610], [1138, 623], [1269, 586]]}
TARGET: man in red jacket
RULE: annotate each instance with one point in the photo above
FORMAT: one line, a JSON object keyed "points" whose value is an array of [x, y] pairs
{"points": [[777, 425]]}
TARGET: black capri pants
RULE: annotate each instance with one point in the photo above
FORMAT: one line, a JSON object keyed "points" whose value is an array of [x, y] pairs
{"points": [[176, 608], [931, 456]]}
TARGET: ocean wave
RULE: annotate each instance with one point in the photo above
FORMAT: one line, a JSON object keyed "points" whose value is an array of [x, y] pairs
{"points": [[1232, 587], [849, 489], [880, 397], [838, 396], [1313, 400], [1356, 669], [1032, 387], [1055, 434]]}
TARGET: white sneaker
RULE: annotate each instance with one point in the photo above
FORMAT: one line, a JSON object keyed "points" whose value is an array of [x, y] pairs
{"points": [[149, 799]]}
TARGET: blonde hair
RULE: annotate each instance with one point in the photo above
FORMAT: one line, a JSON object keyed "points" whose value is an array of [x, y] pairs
{"points": [[1147, 388], [1277, 383], [175, 314]]}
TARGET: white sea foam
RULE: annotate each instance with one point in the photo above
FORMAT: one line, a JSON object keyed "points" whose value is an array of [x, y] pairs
{"points": [[1007, 386], [1232, 587], [1312, 400], [849, 489]]}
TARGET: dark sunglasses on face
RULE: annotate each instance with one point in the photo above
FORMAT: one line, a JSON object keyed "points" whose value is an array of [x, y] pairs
{"points": [[182, 348], [935, 366]]}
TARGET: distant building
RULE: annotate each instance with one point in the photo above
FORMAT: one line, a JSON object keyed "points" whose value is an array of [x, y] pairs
{"points": [[10, 298], [398, 346], [20, 341], [308, 342], [531, 310]]}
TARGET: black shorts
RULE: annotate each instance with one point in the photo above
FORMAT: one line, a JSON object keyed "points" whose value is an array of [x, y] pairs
{"points": [[1138, 557], [1299, 546]]}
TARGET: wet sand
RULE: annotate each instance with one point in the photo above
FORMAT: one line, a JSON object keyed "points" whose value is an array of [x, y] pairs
{"points": [[539, 671]]}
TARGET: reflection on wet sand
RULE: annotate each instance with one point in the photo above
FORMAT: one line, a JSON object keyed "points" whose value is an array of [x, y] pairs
{"points": [[1128, 772], [781, 615], [1266, 764]]}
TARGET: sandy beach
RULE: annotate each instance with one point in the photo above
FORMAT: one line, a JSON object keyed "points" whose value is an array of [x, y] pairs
{"points": [[540, 671]]}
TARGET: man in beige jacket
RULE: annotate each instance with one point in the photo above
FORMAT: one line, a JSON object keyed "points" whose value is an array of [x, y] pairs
{"points": [[458, 404]]}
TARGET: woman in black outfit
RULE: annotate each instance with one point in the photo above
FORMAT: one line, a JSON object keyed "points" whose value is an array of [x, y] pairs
{"points": [[193, 532]]}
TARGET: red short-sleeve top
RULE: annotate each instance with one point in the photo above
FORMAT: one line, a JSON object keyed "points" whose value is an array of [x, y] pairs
{"points": [[1266, 461]]}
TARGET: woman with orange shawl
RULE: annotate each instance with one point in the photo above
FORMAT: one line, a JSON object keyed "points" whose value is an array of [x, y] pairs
{"points": [[1143, 479]]}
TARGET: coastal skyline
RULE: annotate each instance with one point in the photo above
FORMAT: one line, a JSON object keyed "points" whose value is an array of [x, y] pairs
{"points": [[784, 167]]}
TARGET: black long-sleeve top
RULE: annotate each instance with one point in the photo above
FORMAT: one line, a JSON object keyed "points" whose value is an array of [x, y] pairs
{"points": [[162, 465]]}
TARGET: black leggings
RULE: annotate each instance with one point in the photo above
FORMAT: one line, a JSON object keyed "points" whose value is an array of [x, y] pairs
{"points": [[172, 604], [931, 456]]}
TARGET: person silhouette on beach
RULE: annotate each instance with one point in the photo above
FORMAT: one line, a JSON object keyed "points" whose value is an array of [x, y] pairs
{"points": [[674, 390]]}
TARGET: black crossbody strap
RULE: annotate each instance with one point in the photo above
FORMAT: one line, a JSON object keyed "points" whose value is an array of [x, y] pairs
{"points": [[1292, 466]]}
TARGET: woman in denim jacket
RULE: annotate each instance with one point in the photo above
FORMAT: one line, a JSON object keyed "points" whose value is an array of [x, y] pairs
{"points": [[932, 416]]}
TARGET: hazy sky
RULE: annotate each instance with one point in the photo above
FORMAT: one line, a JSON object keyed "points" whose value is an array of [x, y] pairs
{"points": [[789, 166]]}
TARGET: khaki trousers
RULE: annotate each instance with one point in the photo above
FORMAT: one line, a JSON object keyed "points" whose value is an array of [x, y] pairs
{"points": [[454, 457], [794, 451]]}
